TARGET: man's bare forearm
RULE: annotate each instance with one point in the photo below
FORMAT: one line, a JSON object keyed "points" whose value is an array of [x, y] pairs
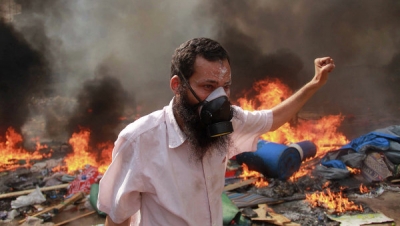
{"points": [[286, 110]]}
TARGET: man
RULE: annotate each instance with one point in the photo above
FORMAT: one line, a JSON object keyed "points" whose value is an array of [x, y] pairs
{"points": [[168, 167]]}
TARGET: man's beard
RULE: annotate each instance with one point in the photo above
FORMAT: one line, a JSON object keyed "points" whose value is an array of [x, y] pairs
{"points": [[200, 143]]}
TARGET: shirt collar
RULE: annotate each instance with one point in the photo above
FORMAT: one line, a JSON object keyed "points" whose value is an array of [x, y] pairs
{"points": [[175, 135]]}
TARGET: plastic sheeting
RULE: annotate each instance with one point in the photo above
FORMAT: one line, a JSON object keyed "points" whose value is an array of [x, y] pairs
{"points": [[385, 141]]}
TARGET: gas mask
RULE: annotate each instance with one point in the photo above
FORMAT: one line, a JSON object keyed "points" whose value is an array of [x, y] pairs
{"points": [[215, 111]]}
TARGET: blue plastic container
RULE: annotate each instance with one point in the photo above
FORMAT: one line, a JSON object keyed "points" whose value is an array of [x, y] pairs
{"points": [[306, 149], [273, 160]]}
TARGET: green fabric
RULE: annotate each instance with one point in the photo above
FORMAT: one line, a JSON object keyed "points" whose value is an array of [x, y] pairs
{"points": [[243, 221], [231, 213], [229, 209], [94, 192]]}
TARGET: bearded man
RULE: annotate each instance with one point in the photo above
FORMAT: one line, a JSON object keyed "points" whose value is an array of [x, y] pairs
{"points": [[168, 167]]}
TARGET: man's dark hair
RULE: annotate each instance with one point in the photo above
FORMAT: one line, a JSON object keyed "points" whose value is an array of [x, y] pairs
{"points": [[182, 62]]}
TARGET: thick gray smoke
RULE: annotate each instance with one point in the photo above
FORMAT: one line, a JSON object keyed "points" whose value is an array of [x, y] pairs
{"points": [[265, 39], [132, 39], [282, 38], [23, 72]]}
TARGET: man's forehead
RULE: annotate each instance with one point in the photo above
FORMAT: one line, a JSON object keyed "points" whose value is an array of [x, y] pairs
{"points": [[216, 81], [211, 71]]}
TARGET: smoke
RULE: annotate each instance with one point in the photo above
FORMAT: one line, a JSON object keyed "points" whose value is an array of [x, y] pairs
{"points": [[100, 106], [281, 39], [22, 72], [137, 36], [134, 39]]}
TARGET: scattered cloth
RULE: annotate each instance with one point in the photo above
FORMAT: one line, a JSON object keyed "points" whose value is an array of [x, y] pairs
{"points": [[247, 199], [33, 198], [360, 219], [385, 141], [84, 181]]}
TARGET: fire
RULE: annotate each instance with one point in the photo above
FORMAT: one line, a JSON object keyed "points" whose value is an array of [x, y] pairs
{"points": [[322, 132], [326, 184], [363, 189], [248, 173], [335, 202], [353, 170], [84, 155], [13, 155], [270, 93]]}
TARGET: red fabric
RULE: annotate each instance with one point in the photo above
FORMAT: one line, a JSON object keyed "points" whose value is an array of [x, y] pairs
{"points": [[230, 173], [84, 181]]}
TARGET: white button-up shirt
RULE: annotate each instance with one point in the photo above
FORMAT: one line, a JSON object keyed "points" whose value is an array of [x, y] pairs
{"points": [[154, 179]]}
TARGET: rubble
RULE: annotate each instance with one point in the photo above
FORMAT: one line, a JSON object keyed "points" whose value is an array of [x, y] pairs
{"points": [[360, 219], [290, 199], [287, 200], [22, 205]]}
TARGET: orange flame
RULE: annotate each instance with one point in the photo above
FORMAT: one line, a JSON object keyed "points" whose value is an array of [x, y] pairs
{"points": [[326, 184], [84, 155], [13, 155], [353, 170], [363, 189], [322, 132], [246, 174], [335, 202]]}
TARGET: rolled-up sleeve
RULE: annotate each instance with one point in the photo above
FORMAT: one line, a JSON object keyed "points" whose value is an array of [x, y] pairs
{"points": [[120, 187], [248, 127]]}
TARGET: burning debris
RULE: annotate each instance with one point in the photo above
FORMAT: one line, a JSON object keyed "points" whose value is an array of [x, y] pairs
{"points": [[13, 154], [24, 164], [296, 192], [308, 200], [334, 202]]}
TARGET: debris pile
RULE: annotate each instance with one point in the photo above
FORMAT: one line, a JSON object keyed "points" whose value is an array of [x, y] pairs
{"points": [[36, 195], [299, 186], [309, 200], [41, 191]]}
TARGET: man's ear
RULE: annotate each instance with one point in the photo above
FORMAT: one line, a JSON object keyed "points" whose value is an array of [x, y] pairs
{"points": [[174, 83]]}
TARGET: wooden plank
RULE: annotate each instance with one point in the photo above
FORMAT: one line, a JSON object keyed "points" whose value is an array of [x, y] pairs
{"points": [[395, 181], [19, 193], [47, 210], [271, 217], [60, 207], [75, 218], [77, 196], [239, 184]]}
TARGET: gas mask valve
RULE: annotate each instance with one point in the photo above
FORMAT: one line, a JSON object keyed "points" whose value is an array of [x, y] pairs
{"points": [[216, 113]]}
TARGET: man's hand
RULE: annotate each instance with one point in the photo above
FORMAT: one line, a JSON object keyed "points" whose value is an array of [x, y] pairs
{"points": [[284, 111], [323, 66]]}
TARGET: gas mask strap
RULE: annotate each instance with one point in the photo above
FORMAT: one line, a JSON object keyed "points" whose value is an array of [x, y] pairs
{"points": [[191, 90]]}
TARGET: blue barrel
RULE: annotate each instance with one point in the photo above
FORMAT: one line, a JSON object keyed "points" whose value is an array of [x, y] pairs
{"points": [[273, 160], [306, 148]]}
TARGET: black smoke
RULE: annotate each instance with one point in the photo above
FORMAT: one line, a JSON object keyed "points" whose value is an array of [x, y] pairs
{"points": [[23, 74], [249, 64], [282, 38], [101, 105], [277, 39], [80, 98]]}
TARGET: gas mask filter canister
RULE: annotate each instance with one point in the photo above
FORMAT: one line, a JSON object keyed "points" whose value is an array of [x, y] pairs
{"points": [[216, 113]]}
